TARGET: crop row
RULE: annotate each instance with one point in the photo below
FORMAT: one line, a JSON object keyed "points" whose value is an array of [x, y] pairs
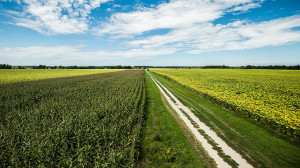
{"points": [[271, 97], [86, 121]]}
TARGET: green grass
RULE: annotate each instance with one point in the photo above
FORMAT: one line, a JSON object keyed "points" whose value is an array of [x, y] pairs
{"points": [[165, 143], [261, 146], [17, 75]]}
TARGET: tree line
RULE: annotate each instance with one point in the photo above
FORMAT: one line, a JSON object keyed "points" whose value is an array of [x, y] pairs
{"points": [[7, 66], [294, 67]]}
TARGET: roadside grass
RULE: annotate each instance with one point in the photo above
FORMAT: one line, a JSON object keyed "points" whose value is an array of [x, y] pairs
{"points": [[259, 145], [164, 143]]}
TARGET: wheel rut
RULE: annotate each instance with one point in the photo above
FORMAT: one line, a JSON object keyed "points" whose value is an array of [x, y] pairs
{"points": [[223, 155]]}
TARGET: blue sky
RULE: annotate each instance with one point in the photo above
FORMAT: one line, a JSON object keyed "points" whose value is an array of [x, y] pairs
{"points": [[150, 32]]}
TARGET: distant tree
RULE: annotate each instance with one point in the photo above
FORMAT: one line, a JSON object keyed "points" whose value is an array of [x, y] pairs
{"points": [[40, 67], [72, 67], [5, 66], [120, 67], [215, 67], [295, 67], [248, 67]]}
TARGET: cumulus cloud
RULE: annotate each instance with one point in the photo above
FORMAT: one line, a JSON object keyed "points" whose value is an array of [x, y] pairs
{"points": [[173, 15], [56, 16], [192, 29], [190, 23], [233, 36]]}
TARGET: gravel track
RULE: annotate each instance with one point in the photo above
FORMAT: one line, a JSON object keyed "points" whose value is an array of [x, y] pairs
{"points": [[227, 150]]}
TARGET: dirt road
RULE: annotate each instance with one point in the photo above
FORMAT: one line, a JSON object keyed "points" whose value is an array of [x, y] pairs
{"points": [[197, 127]]}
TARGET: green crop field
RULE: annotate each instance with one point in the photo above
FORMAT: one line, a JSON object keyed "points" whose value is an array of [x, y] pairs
{"points": [[271, 97], [84, 121], [119, 118], [16, 75]]}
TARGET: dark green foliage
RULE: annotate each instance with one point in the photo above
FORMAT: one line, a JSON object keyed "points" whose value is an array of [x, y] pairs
{"points": [[85, 121], [215, 67], [5, 66], [119, 67], [40, 67], [294, 67]]}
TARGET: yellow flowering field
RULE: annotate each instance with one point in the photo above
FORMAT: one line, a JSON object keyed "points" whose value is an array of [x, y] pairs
{"points": [[16, 75], [271, 97]]}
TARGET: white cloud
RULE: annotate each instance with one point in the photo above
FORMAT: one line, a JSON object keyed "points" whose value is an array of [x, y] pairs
{"points": [[56, 16], [190, 25], [116, 6], [250, 35], [233, 36], [142, 53], [175, 14], [245, 8], [57, 55], [192, 28], [42, 52], [17, 1]]}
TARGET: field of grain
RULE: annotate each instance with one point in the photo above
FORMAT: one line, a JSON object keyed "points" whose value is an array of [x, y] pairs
{"points": [[271, 97], [17, 75], [85, 121]]}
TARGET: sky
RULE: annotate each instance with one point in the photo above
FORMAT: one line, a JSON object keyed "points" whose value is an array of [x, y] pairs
{"points": [[150, 32]]}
